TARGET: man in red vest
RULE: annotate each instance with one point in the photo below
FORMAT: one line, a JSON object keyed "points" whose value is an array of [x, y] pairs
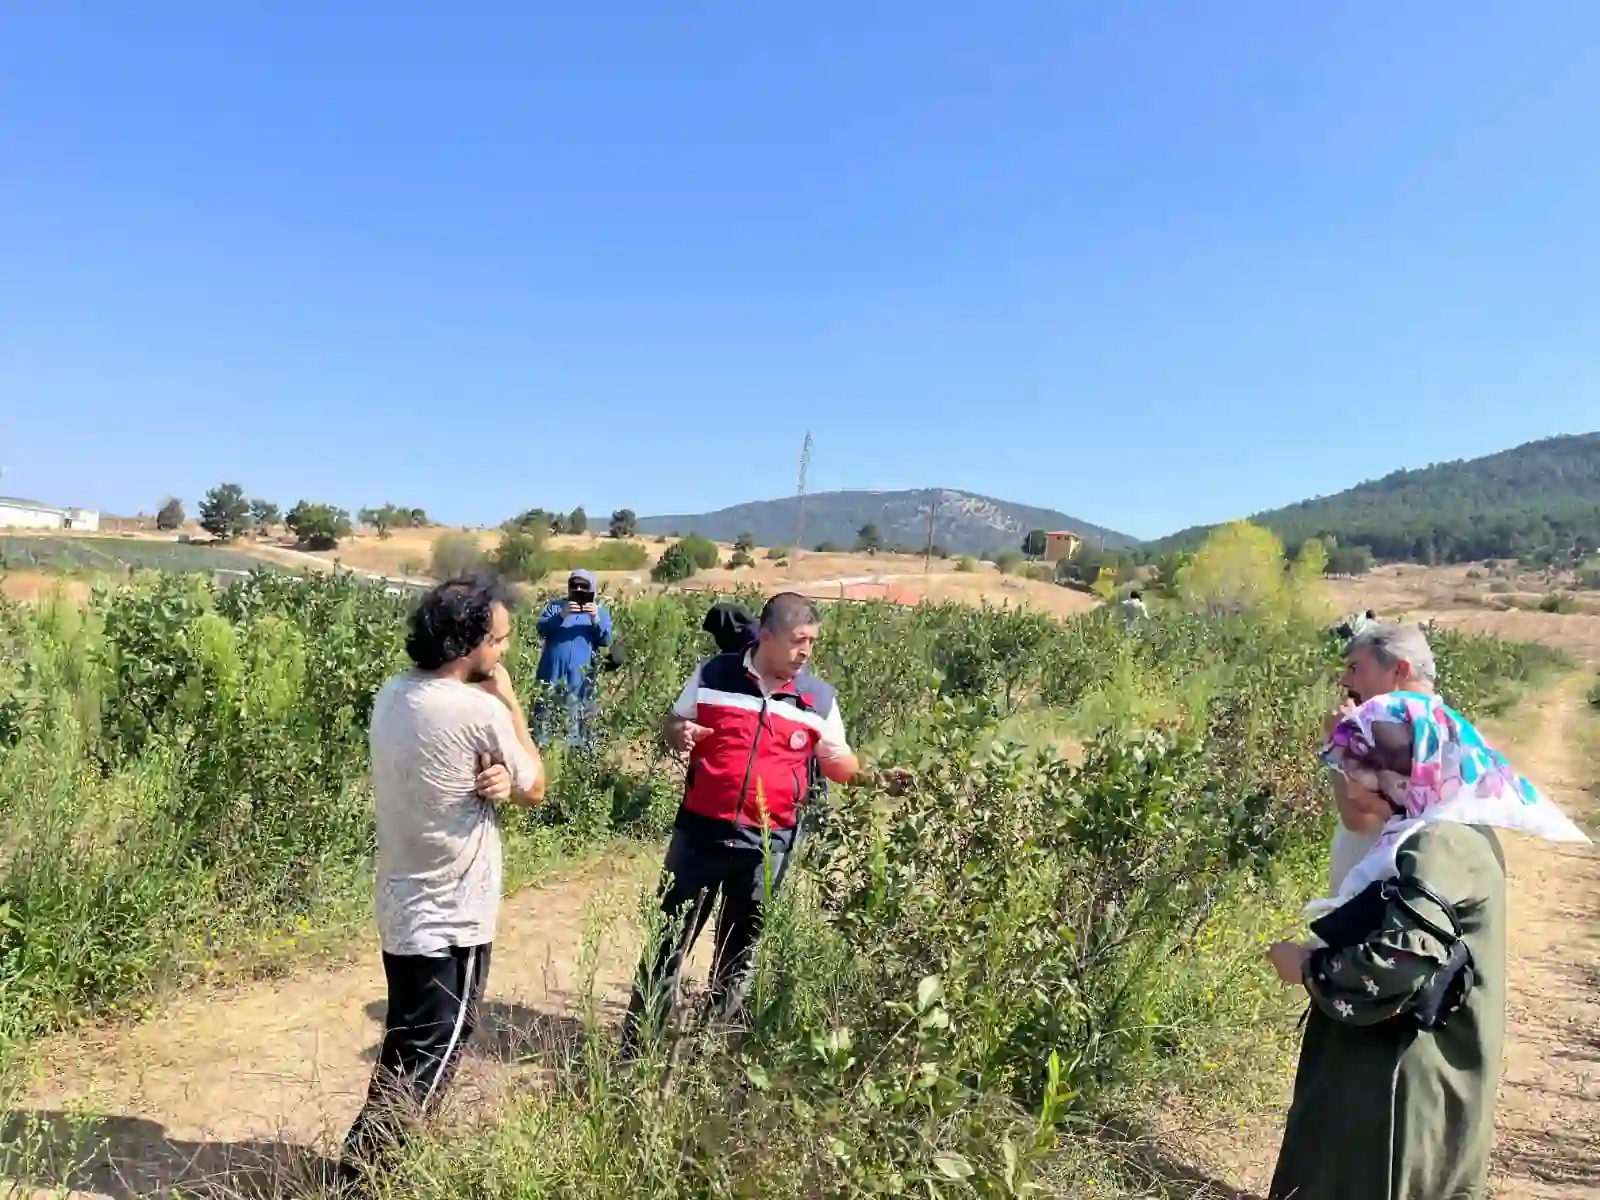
{"points": [[754, 723]]}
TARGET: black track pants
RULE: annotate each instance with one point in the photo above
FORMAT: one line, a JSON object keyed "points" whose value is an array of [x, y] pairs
{"points": [[433, 1003]]}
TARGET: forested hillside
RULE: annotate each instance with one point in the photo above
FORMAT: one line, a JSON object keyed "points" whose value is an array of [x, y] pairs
{"points": [[1538, 501]]}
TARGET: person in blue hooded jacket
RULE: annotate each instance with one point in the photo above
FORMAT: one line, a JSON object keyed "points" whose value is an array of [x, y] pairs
{"points": [[572, 629]]}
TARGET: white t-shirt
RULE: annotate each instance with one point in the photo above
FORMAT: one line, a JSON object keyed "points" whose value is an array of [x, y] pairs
{"points": [[831, 743], [439, 856]]}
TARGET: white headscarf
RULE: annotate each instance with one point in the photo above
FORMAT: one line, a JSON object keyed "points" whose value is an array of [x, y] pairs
{"points": [[1454, 776]]}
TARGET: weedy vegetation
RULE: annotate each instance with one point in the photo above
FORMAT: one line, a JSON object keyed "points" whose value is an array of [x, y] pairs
{"points": [[958, 988]]}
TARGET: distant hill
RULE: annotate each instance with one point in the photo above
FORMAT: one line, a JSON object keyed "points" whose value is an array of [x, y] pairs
{"points": [[1539, 500], [967, 523]]}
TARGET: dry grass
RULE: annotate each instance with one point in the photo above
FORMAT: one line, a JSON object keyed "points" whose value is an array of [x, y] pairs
{"points": [[29, 586]]}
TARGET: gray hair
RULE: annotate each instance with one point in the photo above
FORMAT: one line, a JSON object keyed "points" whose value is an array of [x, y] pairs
{"points": [[1392, 644]]}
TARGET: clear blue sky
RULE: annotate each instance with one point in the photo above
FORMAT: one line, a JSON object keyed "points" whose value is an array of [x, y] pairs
{"points": [[1151, 264]]}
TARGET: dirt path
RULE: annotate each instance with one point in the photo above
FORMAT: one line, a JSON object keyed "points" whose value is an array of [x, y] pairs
{"points": [[1548, 1119], [261, 1077]]}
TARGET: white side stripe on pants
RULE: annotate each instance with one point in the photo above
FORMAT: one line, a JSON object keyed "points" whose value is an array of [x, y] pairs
{"points": [[468, 985]]}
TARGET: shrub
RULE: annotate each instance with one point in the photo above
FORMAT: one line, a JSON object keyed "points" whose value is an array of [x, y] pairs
{"points": [[1043, 572], [827, 548], [1239, 568], [607, 556], [703, 550], [746, 542], [1480, 675], [456, 555], [1349, 560], [676, 564], [778, 552], [318, 526], [389, 517], [535, 518], [966, 563], [171, 516], [1557, 602], [1589, 577], [781, 562], [623, 523], [1474, 573], [521, 555], [740, 559], [1594, 694], [1008, 561], [1502, 587]]}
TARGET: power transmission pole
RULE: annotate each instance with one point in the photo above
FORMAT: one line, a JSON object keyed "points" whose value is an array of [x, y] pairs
{"points": [[800, 499], [933, 515]]}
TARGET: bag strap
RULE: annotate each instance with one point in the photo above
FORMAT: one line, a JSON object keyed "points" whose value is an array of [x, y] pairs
{"points": [[1394, 889], [1452, 983]]}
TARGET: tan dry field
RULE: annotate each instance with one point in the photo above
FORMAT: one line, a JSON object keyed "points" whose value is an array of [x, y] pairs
{"points": [[1401, 588], [1446, 595], [902, 578], [29, 586]]}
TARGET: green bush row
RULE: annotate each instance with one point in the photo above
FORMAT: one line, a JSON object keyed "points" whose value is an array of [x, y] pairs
{"points": [[183, 768]]}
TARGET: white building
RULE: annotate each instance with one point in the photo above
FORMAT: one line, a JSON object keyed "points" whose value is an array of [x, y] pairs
{"points": [[25, 514]]}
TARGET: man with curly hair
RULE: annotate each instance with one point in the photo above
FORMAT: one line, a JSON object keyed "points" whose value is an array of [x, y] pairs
{"points": [[449, 744]]}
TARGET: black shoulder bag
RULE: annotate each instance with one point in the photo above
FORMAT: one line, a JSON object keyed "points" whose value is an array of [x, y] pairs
{"points": [[1354, 921]]}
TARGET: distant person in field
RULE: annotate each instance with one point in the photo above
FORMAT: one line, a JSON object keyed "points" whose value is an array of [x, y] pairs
{"points": [[1354, 624], [572, 629], [449, 745], [755, 724], [1132, 609]]}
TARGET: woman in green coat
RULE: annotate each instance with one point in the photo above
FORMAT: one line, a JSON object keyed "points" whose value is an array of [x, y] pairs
{"points": [[1383, 1109], [1395, 1092]]}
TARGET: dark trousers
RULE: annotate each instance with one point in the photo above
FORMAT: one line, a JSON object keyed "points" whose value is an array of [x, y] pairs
{"points": [[575, 710], [433, 1008], [695, 874]]}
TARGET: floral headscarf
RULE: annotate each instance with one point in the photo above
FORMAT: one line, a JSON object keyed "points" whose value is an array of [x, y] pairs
{"points": [[1432, 765]]}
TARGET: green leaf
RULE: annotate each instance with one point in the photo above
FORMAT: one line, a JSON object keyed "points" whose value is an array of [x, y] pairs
{"points": [[952, 1165], [929, 992]]}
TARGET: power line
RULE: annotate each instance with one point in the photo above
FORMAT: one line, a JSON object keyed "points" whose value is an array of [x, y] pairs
{"points": [[800, 497], [933, 516]]}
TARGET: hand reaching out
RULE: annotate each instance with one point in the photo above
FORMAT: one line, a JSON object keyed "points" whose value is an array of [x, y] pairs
{"points": [[894, 781], [1289, 961], [686, 735]]}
